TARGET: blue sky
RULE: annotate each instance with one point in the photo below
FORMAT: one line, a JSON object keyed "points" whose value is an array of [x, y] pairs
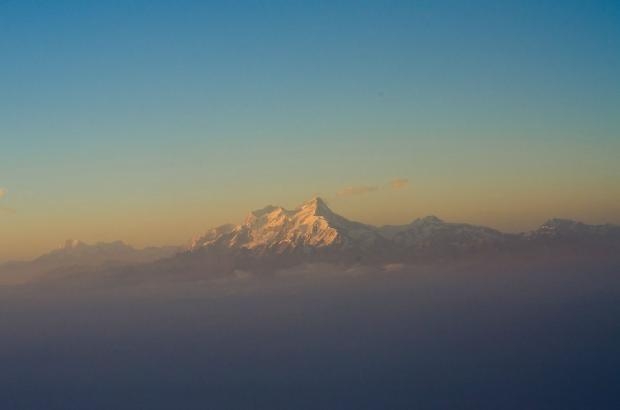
{"points": [[120, 117]]}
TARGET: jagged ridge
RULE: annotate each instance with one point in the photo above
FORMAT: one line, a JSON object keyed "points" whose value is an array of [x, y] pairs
{"points": [[314, 228], [310, 226], [274, 237]]}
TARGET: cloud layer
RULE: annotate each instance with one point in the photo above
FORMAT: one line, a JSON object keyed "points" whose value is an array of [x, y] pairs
{"points": [[398, 183]]}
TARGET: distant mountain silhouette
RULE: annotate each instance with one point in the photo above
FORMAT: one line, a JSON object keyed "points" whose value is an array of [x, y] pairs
{"points": [[78, 256], [273, 238]]}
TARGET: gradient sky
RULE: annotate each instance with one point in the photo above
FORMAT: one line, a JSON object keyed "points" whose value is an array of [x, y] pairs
{"points": [[150, 121]]}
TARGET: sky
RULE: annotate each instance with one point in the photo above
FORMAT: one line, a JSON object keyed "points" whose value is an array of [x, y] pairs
{"points": [[151, 121]]}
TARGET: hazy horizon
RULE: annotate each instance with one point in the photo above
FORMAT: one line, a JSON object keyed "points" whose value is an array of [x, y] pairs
{"points": [[150, 122], [61, 242]]}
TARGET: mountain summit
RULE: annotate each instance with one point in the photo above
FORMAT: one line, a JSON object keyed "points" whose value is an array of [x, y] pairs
{"points": [[311, 226], [317, 207]]}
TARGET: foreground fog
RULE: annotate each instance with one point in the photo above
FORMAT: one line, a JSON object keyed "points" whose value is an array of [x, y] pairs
{"points": [[470, 335]]}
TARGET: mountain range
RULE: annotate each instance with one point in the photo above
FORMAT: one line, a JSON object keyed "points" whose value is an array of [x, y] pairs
{"points": [[313, 232], [77, 256], [274, 237]]}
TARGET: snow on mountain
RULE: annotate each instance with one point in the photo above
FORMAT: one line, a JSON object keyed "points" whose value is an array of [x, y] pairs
{"points": [[568, 229], [313, 227], [433, 234], [310, 226], [273, 237]]}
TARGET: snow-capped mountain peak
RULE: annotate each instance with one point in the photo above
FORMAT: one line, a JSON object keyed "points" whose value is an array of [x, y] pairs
{"points": [[316, 206], [312, 230], [311, 225]]}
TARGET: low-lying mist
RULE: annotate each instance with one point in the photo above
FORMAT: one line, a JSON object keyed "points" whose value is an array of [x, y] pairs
{"points": [[319, 336]]}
